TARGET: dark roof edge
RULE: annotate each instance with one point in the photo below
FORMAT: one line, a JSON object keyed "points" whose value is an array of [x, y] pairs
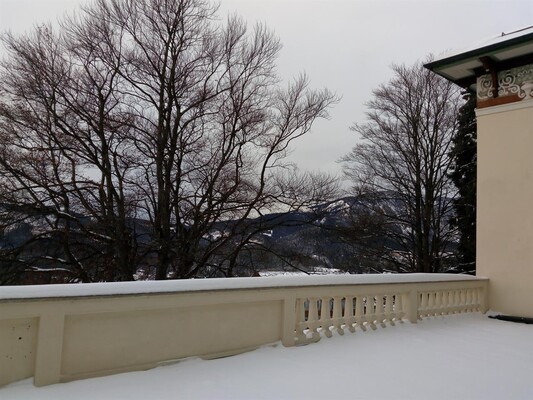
{"points": [[479, 51]]}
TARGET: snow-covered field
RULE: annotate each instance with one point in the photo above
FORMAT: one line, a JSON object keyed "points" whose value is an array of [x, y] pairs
{"points": [[466, 356]]}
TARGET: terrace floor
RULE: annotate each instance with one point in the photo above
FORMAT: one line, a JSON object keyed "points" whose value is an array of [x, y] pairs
{"points": [[467, 356]]}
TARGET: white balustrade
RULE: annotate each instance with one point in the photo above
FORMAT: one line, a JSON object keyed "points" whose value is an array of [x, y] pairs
{"points": [[351, 311], [59, 333], [443, 302]]}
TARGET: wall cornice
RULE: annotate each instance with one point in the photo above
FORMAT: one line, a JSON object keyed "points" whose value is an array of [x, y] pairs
{"points": [[504, 108]]}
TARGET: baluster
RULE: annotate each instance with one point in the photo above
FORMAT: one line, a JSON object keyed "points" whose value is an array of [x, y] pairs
{"points": [[398, 307], [431, 304], [419, 307], [389, 313], [380, 315], [370, 312], [451, 301], [301, 324], [445, 303], [423, 304], [312, 319], [359, 313], [475, 299], [325, 316], [438, 302], [463, 300], [349, 319], [456, 300], [468, 299], [390, 310], [337, 315]]}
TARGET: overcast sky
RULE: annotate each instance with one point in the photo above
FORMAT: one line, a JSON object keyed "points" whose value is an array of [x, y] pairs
{"points": [[345, 45]]}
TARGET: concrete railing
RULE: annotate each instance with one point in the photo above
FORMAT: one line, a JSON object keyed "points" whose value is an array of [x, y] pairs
{"points": [[366, 306], [59, 333]]}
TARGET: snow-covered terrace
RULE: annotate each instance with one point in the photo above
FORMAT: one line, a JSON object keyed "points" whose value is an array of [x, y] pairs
{"points": [[62, 333], [464, 356]]}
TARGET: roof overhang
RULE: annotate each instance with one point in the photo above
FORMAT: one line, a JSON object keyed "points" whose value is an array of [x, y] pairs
{"points": [[503, 52]]}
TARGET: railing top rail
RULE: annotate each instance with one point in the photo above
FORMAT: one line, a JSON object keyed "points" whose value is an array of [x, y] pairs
{"points": [[216, 284]]}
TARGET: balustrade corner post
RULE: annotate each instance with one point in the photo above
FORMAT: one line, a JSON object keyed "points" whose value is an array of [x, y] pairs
{"points": [[412, 306], [49, 349], [289, 321]]}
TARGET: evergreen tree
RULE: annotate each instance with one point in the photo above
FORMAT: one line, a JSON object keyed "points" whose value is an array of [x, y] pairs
{"points": [[464, 156]]}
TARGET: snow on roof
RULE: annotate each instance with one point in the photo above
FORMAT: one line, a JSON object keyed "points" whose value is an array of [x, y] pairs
{"points": [[191, 285], [462, 66], [484, 43]]}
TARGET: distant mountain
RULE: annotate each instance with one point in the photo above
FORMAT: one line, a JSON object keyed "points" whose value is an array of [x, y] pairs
{"points": [[349, 234]]}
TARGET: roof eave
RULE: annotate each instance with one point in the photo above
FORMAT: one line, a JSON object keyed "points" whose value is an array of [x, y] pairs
{"points": [[479, 52]]}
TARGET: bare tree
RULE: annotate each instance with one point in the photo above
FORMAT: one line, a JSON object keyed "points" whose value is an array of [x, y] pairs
{"points": [[153, 109], [64, 158], [213, 126], [403, 162]]}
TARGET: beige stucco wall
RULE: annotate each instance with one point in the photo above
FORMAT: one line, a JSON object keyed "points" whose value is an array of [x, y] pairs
{"points": [[505, 206], [67, 339], [18, 344]]}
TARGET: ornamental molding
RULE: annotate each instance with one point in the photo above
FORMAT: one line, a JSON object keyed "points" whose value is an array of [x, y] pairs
{"points": [[511, 82]]}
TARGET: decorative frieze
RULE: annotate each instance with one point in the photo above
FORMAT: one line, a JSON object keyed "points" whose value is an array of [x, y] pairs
{"points": [[516, 82]]}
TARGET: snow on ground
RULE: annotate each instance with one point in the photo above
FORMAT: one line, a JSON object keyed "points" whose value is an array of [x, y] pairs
{"points": [[466, 356]]}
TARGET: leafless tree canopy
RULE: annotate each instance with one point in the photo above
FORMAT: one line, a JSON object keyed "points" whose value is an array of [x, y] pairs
{"points": [[135, 131], [403, 161]]}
